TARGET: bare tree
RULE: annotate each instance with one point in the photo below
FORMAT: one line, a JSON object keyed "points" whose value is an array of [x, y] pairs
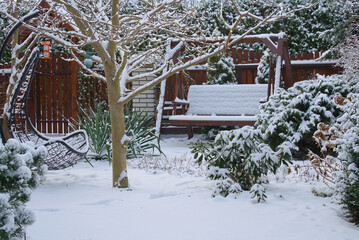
{"points": [[126, 35]]}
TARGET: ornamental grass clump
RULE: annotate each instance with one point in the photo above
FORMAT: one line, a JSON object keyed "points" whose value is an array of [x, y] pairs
{"points": [[239, 159], [21, 171], [96, 122]]}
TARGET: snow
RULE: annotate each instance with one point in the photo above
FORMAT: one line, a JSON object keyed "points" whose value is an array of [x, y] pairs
{"points": [[177, 100], [226, 99], [125, 139], [159, 108], [213, 118], [5, 71], [79, 203], [277, 73]]}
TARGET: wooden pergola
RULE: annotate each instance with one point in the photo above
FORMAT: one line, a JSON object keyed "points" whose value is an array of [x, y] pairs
{"points": [[277, 44]]}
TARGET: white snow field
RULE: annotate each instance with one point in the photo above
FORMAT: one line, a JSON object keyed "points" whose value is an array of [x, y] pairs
{"points": [[79, 204]]}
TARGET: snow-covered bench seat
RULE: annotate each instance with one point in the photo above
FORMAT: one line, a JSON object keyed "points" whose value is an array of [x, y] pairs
{"points": [[221, 105]]}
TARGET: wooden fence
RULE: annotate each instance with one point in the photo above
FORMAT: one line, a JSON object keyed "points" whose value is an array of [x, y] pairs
{"points": [[57, 88], [246, 63], [53, 95]]}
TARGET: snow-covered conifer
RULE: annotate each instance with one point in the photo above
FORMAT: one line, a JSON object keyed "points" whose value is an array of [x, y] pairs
{"points": [[221, 70], [263, 67], [292, 115], [21, 170], [240, 157]]}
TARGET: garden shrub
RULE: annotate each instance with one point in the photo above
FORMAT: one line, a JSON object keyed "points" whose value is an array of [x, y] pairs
{"points": [[21, 170], [339, 163], [240, 157], [292, 115], [339, 142]]}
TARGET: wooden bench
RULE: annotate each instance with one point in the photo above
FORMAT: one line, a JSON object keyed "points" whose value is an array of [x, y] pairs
{"points": [[220, 105]]}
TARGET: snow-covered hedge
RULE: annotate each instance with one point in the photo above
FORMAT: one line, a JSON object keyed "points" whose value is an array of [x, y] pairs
{"points": [[21, 170], [293, 115], [239, 160], [318, 28]]}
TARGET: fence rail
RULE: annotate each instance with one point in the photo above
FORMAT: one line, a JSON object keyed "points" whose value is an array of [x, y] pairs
{"points": [[246, 62]]}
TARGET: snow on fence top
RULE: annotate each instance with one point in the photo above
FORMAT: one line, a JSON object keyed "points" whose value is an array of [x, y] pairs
{"points": [[243, 99]]}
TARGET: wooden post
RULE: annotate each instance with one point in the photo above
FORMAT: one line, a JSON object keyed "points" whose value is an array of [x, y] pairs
{"points": [[288, 67]]}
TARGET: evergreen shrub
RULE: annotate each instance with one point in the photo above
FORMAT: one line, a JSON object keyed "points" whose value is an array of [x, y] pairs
{"points": [[292, 115], [21, 170], [221, 70], [239, 159]]}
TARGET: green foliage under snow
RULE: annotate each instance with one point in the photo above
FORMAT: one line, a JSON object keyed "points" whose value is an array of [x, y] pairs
{"points": [[21, 170], [96, 122], [264, 67], [293, 115], [239, 159], [221, 70], [320, 28], [347, 182]]}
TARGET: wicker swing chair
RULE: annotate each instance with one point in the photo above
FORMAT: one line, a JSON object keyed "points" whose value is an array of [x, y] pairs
{"points": [[62, 151]]}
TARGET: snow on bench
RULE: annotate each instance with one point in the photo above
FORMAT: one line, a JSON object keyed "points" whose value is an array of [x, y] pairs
{"points": [[221, 105]]}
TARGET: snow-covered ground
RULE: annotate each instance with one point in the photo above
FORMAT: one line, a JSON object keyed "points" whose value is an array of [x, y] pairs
{"points": [[79, 204]]}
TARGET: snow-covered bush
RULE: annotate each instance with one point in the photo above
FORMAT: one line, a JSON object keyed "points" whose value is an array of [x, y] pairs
{"points": [[21, 170], [339, 163], [339, 142], [239, 159], [221, 70], [292, 115]]}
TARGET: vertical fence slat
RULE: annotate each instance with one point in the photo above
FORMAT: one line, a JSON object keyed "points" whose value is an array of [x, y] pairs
{"points": [[55, 96], [42, 94], [60, 83], [234, 55], [66, 97], [49, 99], [74, 89]]}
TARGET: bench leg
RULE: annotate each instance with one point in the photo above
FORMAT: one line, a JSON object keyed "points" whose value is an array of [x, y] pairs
{"points": [[190, 131]]}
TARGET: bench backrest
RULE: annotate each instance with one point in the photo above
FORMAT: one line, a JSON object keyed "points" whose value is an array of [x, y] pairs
{"points": [[242, 99]]}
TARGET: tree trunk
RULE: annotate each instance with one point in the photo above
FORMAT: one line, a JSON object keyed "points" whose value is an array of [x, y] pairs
{"points": [[119, 147]]}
